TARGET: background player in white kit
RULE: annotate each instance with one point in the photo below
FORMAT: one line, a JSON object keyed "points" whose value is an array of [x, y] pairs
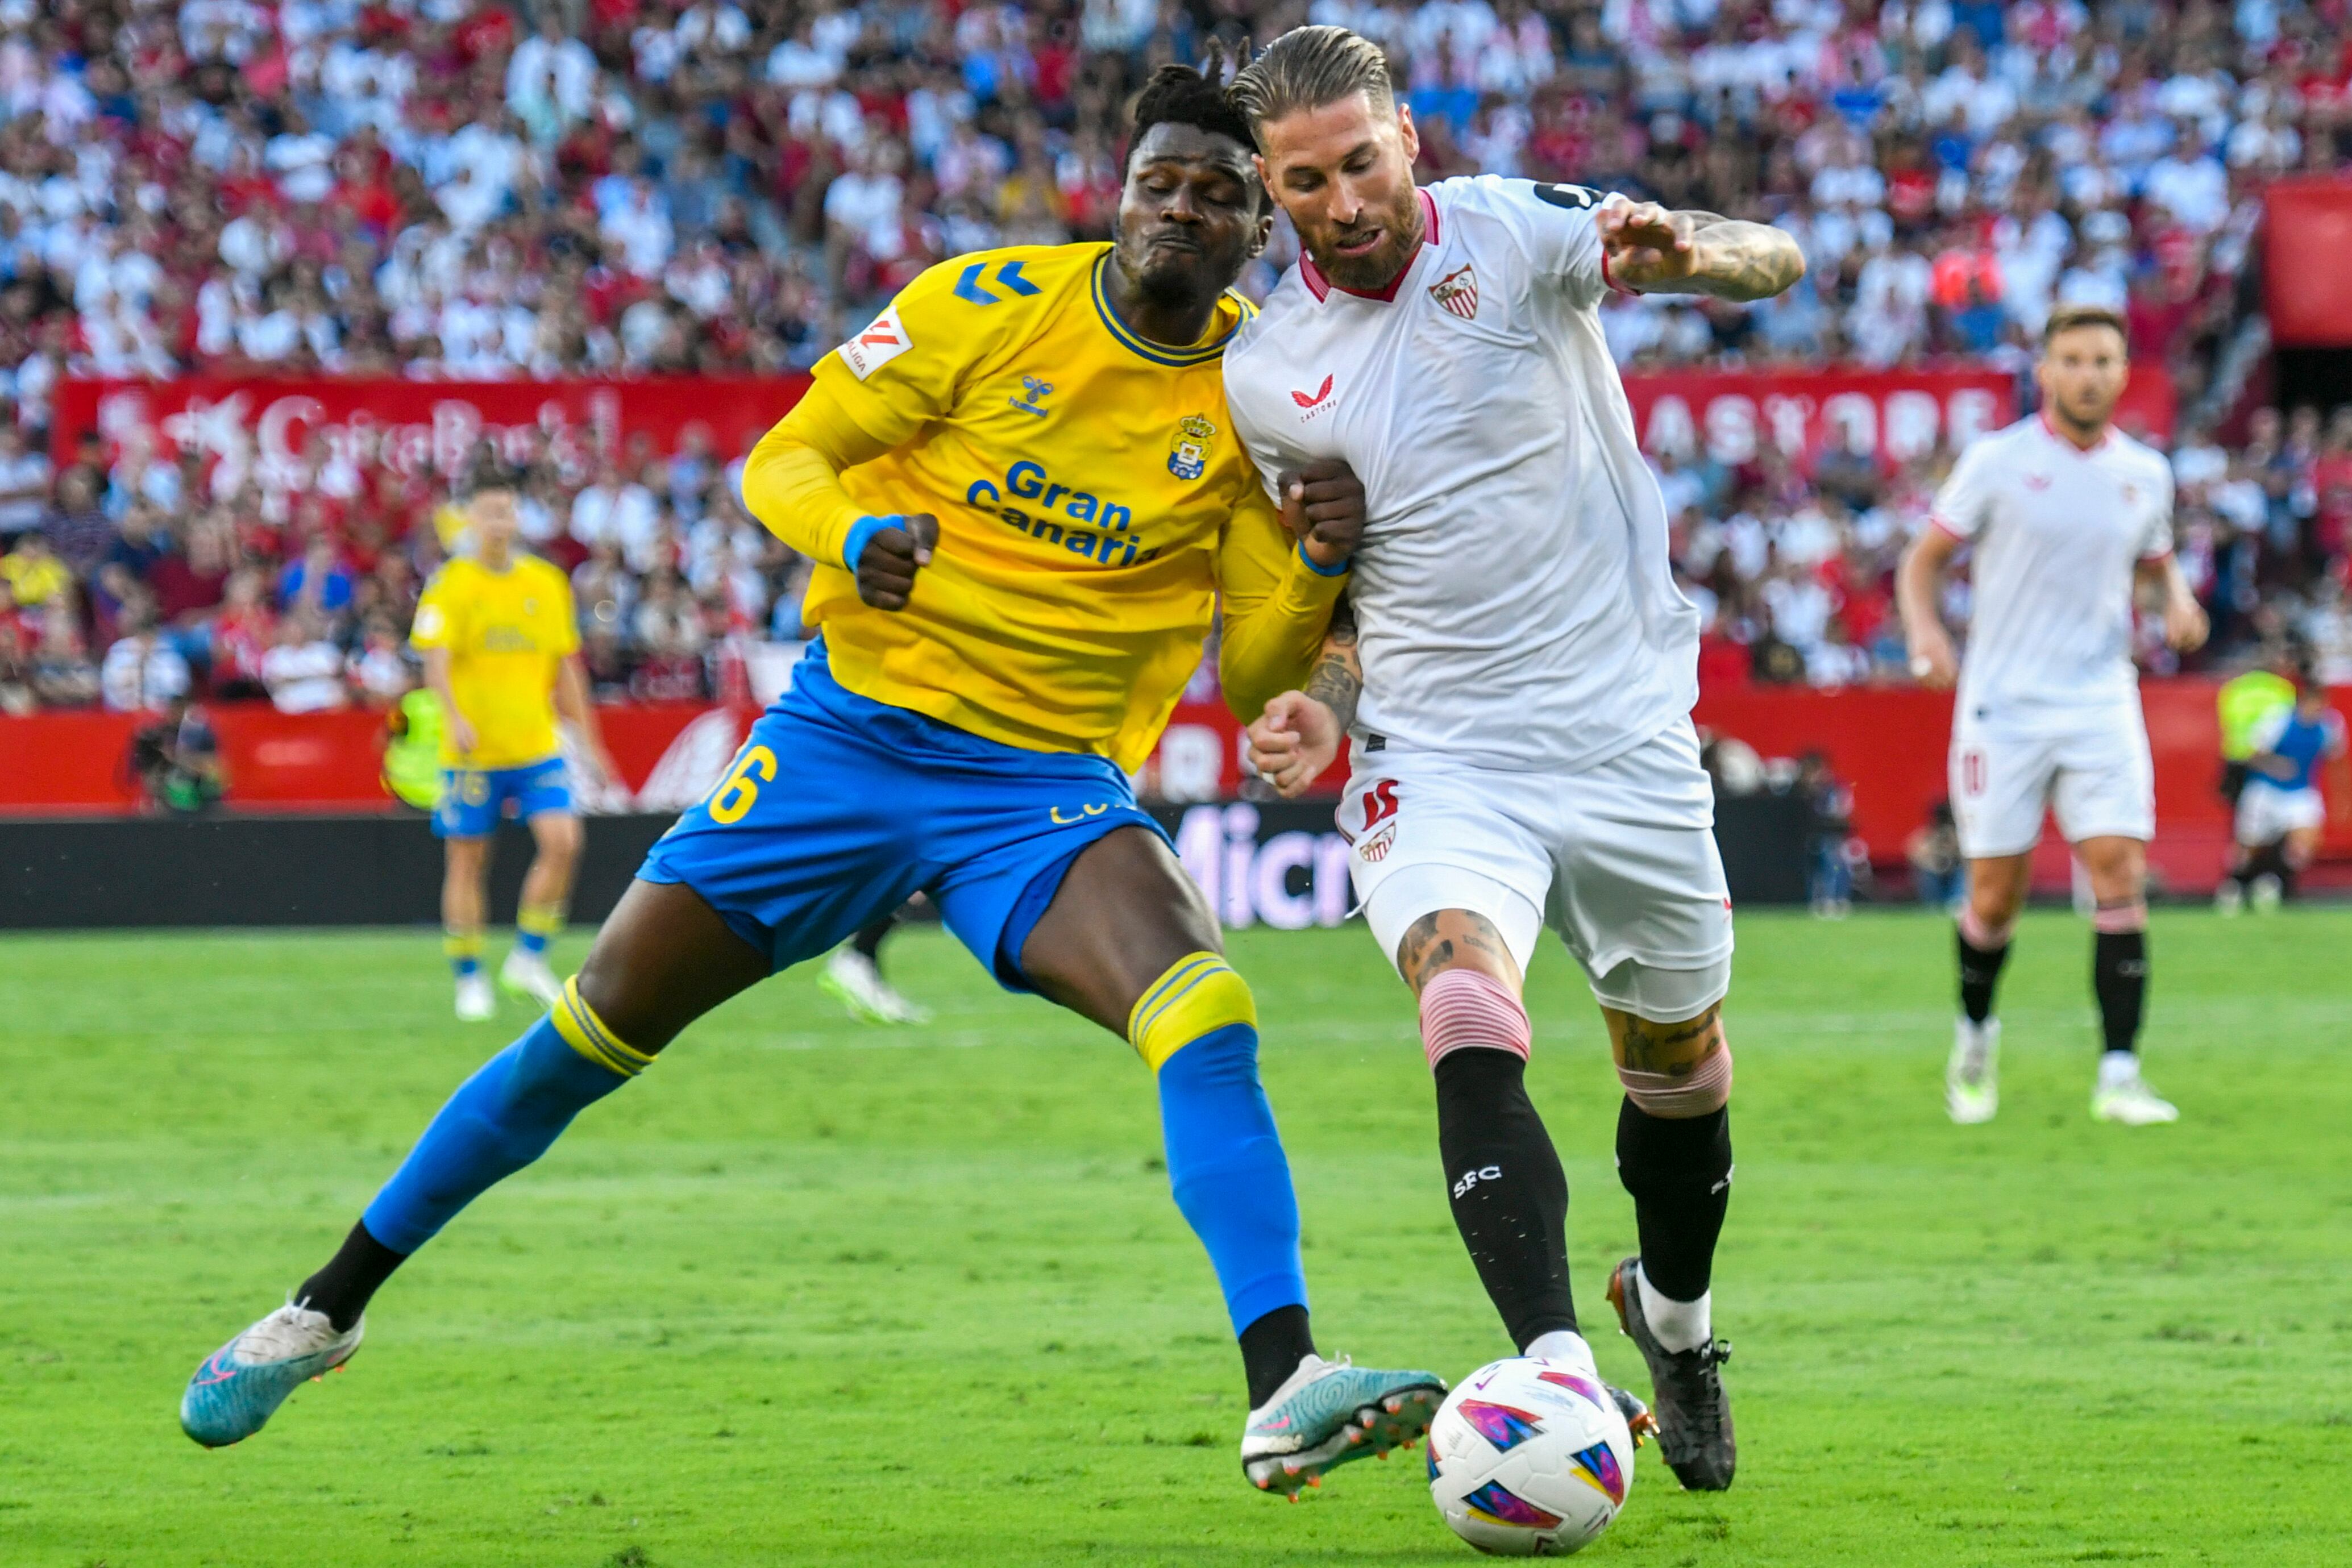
{"points": [[2066, 517], [1522, 750]]}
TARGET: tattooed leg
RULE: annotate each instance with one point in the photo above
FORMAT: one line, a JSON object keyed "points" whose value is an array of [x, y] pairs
{"points": [[1502, 1174], [1673, 1145]]}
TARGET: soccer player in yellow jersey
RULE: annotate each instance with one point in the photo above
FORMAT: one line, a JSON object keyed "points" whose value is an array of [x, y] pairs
{"points": [[1023, 495], [501, 653]]}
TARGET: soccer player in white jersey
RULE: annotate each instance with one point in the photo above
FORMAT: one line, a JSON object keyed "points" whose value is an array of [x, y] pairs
{"points": [[2065, 515], [1522, 750]]}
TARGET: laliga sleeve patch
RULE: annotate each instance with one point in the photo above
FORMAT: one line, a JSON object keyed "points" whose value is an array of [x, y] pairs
{"points": [[876, 346], [430, 623]]}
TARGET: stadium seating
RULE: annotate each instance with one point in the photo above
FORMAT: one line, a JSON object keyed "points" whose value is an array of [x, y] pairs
{"points": [[444, 190]]}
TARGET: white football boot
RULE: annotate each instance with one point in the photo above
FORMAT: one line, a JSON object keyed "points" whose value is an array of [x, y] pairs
{"points": [[1972, 1075], [477, 1003], [526, 975], [2124, 1096]]}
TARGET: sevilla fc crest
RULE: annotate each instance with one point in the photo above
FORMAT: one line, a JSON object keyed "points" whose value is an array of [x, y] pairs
{"points": [[1458, 292]]}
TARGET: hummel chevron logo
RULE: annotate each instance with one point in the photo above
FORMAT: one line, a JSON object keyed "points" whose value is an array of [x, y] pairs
{"points": [[1008, 275], [1303, 400]]}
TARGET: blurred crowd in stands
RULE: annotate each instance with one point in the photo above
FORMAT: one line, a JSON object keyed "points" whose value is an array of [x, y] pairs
{"points": [[454, 189]]}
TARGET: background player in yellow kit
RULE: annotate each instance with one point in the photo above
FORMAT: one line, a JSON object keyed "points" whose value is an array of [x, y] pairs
{"points": [[501, 652], [1024, 497]]}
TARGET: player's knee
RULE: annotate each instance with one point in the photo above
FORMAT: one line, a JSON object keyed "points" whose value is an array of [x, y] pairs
{"points": [[620, 1003], [557, 835], [1465, 1009], [1986, 924], [1676, 1072], [2123, 914]]}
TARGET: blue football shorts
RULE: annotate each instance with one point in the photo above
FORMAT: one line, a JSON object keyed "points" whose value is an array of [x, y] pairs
{"points": [[838, 807], [472, 799]]}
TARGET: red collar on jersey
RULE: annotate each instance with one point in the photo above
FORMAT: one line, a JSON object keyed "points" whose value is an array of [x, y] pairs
{"points": [[2106, 435], [1321, 287]]}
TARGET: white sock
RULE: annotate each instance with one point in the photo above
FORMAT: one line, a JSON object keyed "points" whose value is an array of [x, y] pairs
{"points": [[1679, 1325], [2117, 1068], [1564, 1345]]}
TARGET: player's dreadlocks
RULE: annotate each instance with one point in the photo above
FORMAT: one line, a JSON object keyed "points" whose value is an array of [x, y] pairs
{"points": [[1179, 95]]}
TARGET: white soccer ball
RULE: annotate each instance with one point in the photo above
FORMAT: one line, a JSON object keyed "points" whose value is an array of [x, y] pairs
{"points": [[1529, 1458]]}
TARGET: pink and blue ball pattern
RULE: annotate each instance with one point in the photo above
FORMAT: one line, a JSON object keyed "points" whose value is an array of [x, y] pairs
{"points": [[1500, 1424], [1597, 1467], [1495, 1502]]}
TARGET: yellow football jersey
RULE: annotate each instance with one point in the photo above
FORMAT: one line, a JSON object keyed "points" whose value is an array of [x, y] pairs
{"points": [[507, 633], [1092, 499]]}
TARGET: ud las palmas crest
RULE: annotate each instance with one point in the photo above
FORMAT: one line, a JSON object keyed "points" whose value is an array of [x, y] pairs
{"points": [[1458, 292], [1188, 458]]}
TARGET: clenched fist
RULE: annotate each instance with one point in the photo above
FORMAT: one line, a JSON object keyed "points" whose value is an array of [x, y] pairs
{"points": [[887, 566], [1323, 507]]}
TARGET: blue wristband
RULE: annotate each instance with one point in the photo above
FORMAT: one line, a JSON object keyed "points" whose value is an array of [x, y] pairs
{"points": [[1338, 571], [861, 532]]}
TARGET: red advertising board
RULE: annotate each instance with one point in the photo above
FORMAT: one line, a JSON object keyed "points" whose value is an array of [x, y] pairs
{"points": [[2307, 287], [1732, 414], [1889, 744], [262, 425], [59, 764]]}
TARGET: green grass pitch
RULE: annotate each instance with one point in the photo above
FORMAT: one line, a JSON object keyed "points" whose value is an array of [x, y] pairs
{"points": [[815, 1294]]}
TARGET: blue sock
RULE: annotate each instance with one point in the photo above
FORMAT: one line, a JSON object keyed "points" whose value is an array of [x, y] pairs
{"points": [[501, 1120], [1230, 1175]]}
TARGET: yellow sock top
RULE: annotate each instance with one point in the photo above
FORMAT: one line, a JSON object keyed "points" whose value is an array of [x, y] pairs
{"points": [[1198, 995], [585, 1033]]}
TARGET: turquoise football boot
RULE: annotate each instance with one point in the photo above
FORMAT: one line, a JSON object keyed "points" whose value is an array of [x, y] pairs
{"points": [[241, 1385], [1329, 1412]]}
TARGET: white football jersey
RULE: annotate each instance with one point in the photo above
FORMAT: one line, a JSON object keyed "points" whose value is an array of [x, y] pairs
{"points": [[1517, 604], [2057, 533]]}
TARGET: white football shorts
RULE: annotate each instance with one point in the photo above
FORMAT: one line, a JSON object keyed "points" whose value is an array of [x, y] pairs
{"points": [[2090, 764], [2267, 814], [1619, 859]]}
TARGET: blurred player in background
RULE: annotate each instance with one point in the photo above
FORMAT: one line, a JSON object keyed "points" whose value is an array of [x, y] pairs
{"points": [[1024, 500], [1521, 694], [501, 650], [2066, 515], [853, 975], [2281, 812]]}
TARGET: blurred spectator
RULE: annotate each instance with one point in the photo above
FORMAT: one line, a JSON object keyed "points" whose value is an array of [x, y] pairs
{"points": [[378, 668], [63, 677], [303, 671], [1938, 875], [143, 669]]}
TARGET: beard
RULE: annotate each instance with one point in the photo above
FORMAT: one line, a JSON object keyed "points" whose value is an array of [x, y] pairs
{"points": [[1400, 226]]}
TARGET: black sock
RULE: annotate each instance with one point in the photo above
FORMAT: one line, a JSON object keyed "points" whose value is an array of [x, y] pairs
{"points": [[869, 941], [2287, 872], [2119, 975], [342, 1289], [1679, 1172], [1979, 973], [1272, 1348], [1510, 1196]]}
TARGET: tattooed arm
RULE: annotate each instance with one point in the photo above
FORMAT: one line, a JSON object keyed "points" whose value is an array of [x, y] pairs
{"points": [[1651, 250], [1298, 736]]}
